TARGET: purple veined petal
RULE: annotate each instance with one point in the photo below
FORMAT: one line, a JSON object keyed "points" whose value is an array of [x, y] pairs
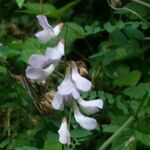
{"points": [[58, 102], [44, 24], [64, 134], [58, 28], [35, 73], [81, 83], [44, 36], [67, 88], [38, 61], [85, 122], [90, 107]]}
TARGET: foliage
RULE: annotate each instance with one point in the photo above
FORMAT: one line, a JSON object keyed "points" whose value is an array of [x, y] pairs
{"points": [[114, 43]]}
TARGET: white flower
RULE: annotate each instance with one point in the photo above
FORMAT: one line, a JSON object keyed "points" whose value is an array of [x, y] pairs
{"points": [[55, 53], [64, 134], [87, 123], [39, 67], [81, 83], [58, 102], [48, 31], [67, 88], [90, 107]]}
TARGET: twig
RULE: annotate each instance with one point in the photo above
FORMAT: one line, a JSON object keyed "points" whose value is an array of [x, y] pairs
{"points": [[141, 3]]}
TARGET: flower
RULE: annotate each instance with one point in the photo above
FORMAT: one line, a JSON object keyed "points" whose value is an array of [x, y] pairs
{"points": [[55, 53], [80, 82], [67, 88], [90, 107], [85, 122], [64, 134], [39, 67], [58, 102], [48, 31], [73, 83]]}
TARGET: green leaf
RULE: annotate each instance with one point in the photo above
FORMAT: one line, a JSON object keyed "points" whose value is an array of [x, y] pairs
{"points": [[36, 8], [80, 133], [134, 33], [137, 91], [109, 27], [128, 79], [20, 3], [26, 148], [143, 138], [58, 12], [4, 143], [53, 145]]}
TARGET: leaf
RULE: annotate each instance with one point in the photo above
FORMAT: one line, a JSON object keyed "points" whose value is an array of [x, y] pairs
{"points": [[4, 143], [71, 32], [132, 32], [52, 145], [128, 79], [36, 8], [137, 91], [124, 141], [26, 148], [20, 3], [143, 138], [80, 133], [109, 27], [143, 126], [58, 12]]}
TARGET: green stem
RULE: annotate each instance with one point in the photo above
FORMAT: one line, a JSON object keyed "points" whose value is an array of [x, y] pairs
{"points": [[109, 141], [125, 125]]}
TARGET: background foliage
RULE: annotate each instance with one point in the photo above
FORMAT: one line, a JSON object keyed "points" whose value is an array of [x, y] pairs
{"points": [[111, 38]]}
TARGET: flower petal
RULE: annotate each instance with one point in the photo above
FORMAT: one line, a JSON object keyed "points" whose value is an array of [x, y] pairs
{"points": [[61, 47], [67, 88], [44, 23], [57, 28], [81, 83], [56, 52], [38, 61], [64, 134], [50, 69], [87, 123], [58, 102], [44, 36], [35, 73], [90, 107]]}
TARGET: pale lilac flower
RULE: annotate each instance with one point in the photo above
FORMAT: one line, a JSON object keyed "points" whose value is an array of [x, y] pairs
{"points": [[55, 53], [85, 122], [39, 67], [80, 82], [73, 83], [64, 134], [58, 102], [90, 107], [67, 88], [48, 31]]}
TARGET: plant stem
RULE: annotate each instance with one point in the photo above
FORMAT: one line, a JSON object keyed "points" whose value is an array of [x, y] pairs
{"points": [[125, 125], [141, 3]]}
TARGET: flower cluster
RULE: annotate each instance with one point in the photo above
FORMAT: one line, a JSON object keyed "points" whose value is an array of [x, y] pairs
{"points": [[70, 89], [41, 66]]}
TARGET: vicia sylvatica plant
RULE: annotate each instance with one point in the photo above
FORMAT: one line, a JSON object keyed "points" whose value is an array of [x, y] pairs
{"points": [[74, 75], [41, 66]]}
